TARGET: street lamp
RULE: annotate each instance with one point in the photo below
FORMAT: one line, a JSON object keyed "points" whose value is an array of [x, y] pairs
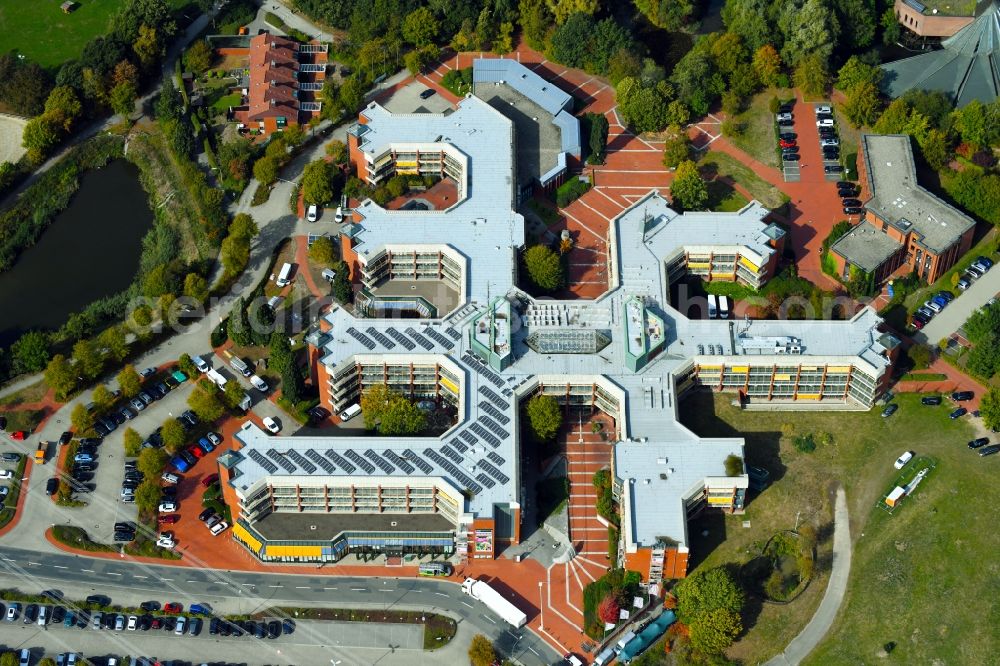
{"points": [[541, 606]]}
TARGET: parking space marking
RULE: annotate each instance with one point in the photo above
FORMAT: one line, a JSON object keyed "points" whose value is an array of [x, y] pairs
{"points": [[274, 586], [59, 566]]}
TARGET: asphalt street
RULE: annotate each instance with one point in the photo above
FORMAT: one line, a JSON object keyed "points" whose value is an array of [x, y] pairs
{"points": [[959, 310], [129, 583]]}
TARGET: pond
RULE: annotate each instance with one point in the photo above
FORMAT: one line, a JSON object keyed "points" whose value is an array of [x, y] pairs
{"points": [[91, 250]]}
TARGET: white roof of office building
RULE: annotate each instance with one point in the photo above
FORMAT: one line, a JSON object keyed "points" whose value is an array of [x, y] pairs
{"points": [[485, 230]]}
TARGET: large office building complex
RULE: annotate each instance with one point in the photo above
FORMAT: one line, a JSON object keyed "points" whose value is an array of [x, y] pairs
{"points": [[461, 338]]}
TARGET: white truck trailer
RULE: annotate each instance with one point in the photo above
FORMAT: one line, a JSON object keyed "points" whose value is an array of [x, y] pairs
{"points": [[510, 613]]}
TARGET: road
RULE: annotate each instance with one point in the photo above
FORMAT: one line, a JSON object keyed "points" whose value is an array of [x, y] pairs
{"points": [[237, 592], [960, 309], [823, 618]]}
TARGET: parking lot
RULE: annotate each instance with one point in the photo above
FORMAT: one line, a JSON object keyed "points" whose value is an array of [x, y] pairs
{"points": [[407, 100]]}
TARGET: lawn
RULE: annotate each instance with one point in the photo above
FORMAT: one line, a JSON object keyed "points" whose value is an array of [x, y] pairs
{"points": [[41, 31], [722, 165], [723, 198], [758, 138], [921, 579]]}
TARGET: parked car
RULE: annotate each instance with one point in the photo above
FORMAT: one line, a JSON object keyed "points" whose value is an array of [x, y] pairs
{"points": [[66, 438], [989, 450], [963, 284], [258, 383], [975, 270], [166, 540], [170, 478], [829, 142], [312, 213], [272, 424], [214, 437], [13, 611], [833, 168], [787, 143], [890, 410], [979, 442], [931, 400], [205, 515], [218, 528], [946, 295], [788, 136], [823, 109], [932, 306], [786, 123], [133, 623], [961, 411], [962, 396], [167, 507], [209, 480], [172, 607], [206, 445], [852, 210], [824, 122], [167, 519], [852, 203], [790, 157], [784, 117], [430, 92], [200, 609]]}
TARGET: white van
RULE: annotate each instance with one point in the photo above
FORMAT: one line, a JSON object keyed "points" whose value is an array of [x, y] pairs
{"points": [[604, 657], [713, 307], [258, 383], [623, 641], [329, 275], [350, 412], [217, 378], [723, 307], [286, 272]]}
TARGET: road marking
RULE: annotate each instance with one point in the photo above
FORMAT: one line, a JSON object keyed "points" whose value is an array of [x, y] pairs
{"points": [[382, 589], [465, 604], [246, 584], [112, 573], [92, 571], [359, 589], [441, 594], [35, 564], [165, 580], [536, 654], [274, 586], [138, 576], [195, 581], [329, 588], [488, 618], [59, 566], [301, 587]]}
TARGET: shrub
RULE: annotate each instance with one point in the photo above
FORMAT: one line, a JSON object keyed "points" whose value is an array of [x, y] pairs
{"points": [[805, 443], [570, 191], [609, 610], [734, 465]]}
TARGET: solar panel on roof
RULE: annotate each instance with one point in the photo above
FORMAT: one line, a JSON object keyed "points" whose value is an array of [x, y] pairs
{"points": [[495, 457], [380, 462], [361, 337], [493, 426], [493, 471], [424, 466], [494, 412], [420, 340], [469, 437], [327, 466], [282, 461], [361, 462], [452, 453], [259, 458], [485, 480], [493, 396], [402, 464], [485, 434], [401, 339], [382, 340], [453, 333], [301, 461], [341, 461], [435, 335], [452, 469], [459, 445]]}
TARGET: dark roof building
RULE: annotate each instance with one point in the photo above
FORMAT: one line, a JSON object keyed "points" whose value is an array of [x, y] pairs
{"points": [[967, 67]]}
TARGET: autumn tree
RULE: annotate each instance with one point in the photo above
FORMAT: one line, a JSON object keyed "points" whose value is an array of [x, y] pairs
{"points": [[317, 183], [676, 147], [714, 631], [481, 652], [204, 402], [544, 416], [767, 64], [608, 610], [544, 267], [40, 135], [420, 27], [811, 75], [196, 287], [81, 419], [129, 381], [151, 462], [131, 443], [199, 57], [173, 435], [688, 190], [63, 107], [323, 251]]}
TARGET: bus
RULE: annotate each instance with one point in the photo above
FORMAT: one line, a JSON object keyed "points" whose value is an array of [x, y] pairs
{"points": [[435, 569], [713, 308]]}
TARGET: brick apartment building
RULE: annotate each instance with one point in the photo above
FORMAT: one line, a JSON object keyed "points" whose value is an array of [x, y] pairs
{"points": [[903, 224]]}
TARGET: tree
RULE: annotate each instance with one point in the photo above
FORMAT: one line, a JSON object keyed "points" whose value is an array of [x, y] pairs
{"points": [[401, 418], [670, 15], [281, 355], [265, 170], [39, 136], [317, 187], [598, 135], [199, 57], [147, 47], [504, 41], [728, 51], [123, 98], [352, 94], [63, 107], [863, 104], [688, 189], [920, 356], [133, 14], [125, 72], [239, 324], [890, 27], [810, 30], [676, 147], [232, 395], [151, 463], [102, 397], [291, 383], [970, 123], [243, 226], [88, 358], [713, 632], [234, 254], [536, 21], [544, 267], [132, 443], [196, 287], [989, 408], [31, 352], [707, 591], [544, 416], [608, 610], [173, 435], [767, 64], [563, 10], [148, 495], [855, 72], [129, 381], [114, 340], [337, 151], [323, 251], [81, 419], [205, 403], [481, 652], [24, 85], [420, 27], [811, 75], [342, 284]]}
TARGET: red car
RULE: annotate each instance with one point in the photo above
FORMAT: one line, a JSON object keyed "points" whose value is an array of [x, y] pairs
{"points": [[167, 519], [172, 607], [787, 144], [19, 435], [209, 480], [196, 451]]}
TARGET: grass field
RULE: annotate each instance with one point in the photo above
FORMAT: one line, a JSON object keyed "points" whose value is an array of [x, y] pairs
{"points": [[923, 578], [758, 139], [723, 198], [727, 167], [42, 32]]}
